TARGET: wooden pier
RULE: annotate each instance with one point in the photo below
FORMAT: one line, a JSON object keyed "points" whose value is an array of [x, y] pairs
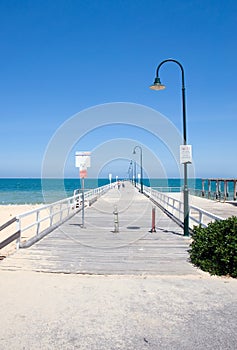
{"points": [[116, 239], [218, 182], [98, 249]]}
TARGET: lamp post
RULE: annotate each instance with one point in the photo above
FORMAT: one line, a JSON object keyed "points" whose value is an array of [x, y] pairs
{"points": [[130, 171], [158, 86], [135, 174], [134, 152]]}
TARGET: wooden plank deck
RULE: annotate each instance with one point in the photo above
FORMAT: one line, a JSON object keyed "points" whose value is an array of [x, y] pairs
{"points": [[96, 249]]}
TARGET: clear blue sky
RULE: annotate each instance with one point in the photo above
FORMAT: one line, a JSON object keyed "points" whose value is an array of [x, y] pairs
{"points": [[61, 57]]}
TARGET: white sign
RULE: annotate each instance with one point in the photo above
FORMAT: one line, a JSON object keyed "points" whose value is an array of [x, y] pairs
{"points": [[185, 154], [83, 159]]}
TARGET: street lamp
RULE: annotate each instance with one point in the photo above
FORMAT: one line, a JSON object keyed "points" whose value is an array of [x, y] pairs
{"points": [[130, 170], [135, 174], [158, 86], [134, 152]]}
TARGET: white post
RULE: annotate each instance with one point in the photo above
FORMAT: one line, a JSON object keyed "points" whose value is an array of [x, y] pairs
{"points": [[37, 222], [18, 228], [110, 180]]}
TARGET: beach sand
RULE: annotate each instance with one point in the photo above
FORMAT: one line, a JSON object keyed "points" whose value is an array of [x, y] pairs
{"points": [[8, 212]]}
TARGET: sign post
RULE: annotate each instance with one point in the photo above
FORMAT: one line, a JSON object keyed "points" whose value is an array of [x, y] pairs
{"points": [[83, 161], [110, 180]]}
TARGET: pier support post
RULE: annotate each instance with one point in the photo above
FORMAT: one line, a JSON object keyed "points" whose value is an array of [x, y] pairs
{"points": [[235, 183], [217, 189], [225, 190], [209, 189], [203, 188]]}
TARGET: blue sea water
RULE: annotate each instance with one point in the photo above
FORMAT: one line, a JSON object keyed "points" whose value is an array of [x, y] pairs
{"points": [[33, 191]]}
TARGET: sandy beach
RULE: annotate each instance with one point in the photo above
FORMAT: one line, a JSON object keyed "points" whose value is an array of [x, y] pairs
{"points": [[8, 212]]}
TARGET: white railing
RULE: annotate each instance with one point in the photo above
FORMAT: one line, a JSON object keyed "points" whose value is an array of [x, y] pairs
{"points": [[36, 223], [167, 189], [197, 216]]}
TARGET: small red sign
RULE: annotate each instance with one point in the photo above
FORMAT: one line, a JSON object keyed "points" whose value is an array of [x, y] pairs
{"points": [[83, 173]]}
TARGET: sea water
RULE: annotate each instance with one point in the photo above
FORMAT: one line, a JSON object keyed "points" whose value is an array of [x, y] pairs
{"points": [[36, 191]]}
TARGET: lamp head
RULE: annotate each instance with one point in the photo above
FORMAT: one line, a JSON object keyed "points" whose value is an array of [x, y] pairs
{"points": [[134, 152], [157, 85]]}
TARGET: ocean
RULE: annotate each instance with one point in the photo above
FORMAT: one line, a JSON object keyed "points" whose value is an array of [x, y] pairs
{"points": [[37, 191], [34, 191]]}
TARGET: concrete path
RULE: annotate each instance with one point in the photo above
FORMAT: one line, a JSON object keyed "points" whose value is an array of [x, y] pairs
{"points": [[42, 311]]}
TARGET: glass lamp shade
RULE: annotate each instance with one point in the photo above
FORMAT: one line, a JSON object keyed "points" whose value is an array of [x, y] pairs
{"points": [[157, 85]]}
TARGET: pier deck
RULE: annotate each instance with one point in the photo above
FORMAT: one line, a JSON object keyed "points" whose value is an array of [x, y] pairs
{"points": [[97, 249]]}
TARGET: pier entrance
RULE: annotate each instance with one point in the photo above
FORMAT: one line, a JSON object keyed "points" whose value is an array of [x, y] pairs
{"points": [[98, 249]]}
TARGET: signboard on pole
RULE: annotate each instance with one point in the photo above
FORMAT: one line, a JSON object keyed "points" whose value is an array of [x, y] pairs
{"points": [[110, 179], [185, 154], [83, 161]]}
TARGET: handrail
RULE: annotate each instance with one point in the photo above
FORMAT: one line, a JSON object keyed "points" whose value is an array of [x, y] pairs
{"points": [[175, 208], [57, 213], [213, 195], [39, 222], [8, 223], [167, 189], [12, 237]]}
